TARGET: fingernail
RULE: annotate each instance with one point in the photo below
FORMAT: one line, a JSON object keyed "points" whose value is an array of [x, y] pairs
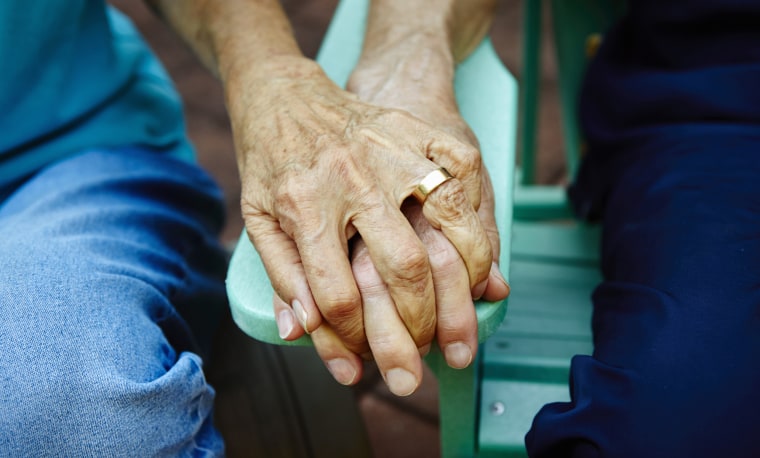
{"points": [[341, 370], [285, 323], [400, 381], [497, 274], [424, 350], [300, 314], [458, 355], [479, 289]]}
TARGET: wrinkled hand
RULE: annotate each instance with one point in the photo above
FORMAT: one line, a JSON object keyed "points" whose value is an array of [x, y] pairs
{"points": [[455, 313], [456, 326], [390, 340], [317, 166], [391, 345]]}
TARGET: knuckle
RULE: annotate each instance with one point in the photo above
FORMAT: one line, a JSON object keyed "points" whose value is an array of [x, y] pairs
{"points": [[372, 289], [253, 215], [456, 322], [443, 255], [253, 228], [470, 159], [353, 337], [247, 207], [261, 228], [340, 307], [293, 202], [469, 174], [451, 199], [386, 346], [383, 345], [367, 278], [344, 315], [362, 265], [422, 327], [462, 156], [347, 173], [410, 265], [470, 136], [293, 191], [450, 329], [329, 344]]}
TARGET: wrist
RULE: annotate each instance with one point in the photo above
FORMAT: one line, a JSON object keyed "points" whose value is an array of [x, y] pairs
{"points": [[248, 85], [419, 73]]}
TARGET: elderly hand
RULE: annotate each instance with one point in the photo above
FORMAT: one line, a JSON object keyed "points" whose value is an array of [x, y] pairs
{"points": [[417, 77], [319, 165], [391, 346], [389, 340]]}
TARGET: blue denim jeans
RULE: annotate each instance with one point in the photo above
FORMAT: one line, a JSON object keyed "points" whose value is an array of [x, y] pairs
{"points": [[112, 281]]}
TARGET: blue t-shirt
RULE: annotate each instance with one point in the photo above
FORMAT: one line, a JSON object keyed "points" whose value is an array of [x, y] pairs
{"points": [[76, 75], [669, 72]]}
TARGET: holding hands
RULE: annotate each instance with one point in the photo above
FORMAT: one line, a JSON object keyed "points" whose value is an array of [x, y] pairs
{"points": [[330, 177], [390, 79]]}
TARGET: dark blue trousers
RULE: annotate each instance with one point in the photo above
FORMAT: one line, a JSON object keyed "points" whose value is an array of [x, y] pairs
{"points": [[671, 115], [676, 366]]}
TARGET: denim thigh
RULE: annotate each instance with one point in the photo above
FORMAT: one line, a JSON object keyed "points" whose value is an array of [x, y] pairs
{"points": [[112, 281]]}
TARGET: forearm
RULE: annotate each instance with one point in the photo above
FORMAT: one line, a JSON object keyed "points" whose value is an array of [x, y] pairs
{"points": [[458, 24], [237, 39], [411, 48]]}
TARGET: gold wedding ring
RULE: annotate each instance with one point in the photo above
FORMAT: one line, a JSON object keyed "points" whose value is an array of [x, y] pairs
{"points": [[431, 181]]}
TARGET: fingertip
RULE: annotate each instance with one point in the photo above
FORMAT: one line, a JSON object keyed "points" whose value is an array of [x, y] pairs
{"points": [[479, 289], [308, 317], [401, 382], [300, 314], [344, 366], [458, 355], [286, 325], [497, 288], [344, 371], [495, 273]]}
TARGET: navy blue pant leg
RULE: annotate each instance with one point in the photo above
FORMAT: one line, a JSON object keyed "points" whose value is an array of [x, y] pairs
{"points": [[676, 366]]}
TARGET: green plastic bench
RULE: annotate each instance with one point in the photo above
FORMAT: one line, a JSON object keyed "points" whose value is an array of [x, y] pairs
{"points": [[554, 258]]}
